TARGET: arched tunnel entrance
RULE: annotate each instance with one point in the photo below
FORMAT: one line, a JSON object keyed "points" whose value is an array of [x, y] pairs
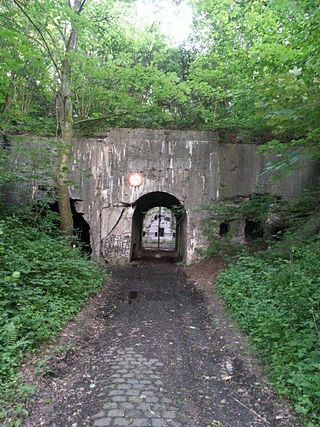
{"points": [[151, 214]]}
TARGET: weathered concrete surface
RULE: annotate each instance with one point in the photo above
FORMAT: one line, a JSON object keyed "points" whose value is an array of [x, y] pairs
{"points": [[182, 164], [190, 165], [193, 167]]}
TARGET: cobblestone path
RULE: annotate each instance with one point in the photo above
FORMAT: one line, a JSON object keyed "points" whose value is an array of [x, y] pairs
{"points": [[136, 395], [151, 354]]}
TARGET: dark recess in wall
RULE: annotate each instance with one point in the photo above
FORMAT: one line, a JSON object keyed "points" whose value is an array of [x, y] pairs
{"points": [[5, 142], [81, 227], [224, 229], [253, 230], [278, 232]]}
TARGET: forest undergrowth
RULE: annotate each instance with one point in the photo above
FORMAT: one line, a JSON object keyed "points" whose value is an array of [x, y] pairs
{"points": [[44, 282], [274, 296]]}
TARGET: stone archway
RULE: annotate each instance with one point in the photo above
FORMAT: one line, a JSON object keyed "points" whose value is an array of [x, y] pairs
{"points": [[143, 205]]}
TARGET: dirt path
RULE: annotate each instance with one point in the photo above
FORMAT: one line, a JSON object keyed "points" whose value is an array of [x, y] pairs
{"points": [[148, 352]]}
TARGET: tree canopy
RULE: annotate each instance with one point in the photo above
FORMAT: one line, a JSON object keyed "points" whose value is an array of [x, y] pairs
{"points": [[247, 65]]}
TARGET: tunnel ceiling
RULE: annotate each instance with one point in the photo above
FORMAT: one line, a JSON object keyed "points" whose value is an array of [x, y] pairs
{"points": [[157, 198]]}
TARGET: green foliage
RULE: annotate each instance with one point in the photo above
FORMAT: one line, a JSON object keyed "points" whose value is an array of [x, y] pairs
{"points": [[257, 208], [127, 76], [43, 282], [252, 65], [25, 103], [6, 175], [258, 68], [272, 217], [275, 295], [277, 303]]}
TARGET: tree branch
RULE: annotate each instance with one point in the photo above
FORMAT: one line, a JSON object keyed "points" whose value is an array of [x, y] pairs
{"points": [[95, 119], [39, 32], [22, 30], [81, 7], [60, 30], [77, 8]]}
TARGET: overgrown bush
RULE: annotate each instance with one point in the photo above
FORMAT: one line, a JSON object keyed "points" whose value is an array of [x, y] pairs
{"points": [[273, 218], [277, 303], [256, 208], [43, 282]]}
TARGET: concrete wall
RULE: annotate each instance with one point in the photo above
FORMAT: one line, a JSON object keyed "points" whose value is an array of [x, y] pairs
{"points": [[192, 166], [183, 164]]}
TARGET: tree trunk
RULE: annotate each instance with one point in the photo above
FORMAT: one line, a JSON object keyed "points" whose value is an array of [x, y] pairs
{"points": [[65, 106], [66, 124], [63, 171]]}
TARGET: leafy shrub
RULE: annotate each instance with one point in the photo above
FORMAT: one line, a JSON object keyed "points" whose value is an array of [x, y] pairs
{"points": [[43, 282], [272, 218], [277, 303], [255, 209]]}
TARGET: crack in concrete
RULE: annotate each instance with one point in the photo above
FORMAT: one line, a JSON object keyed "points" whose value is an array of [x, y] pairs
{"points": [[119, 219]]}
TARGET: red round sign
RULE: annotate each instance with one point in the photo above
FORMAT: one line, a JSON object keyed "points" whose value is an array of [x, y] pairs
{"points": [[135, 179]]}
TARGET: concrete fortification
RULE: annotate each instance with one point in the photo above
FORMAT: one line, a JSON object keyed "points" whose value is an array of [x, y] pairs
{"points": [[180, 170]]}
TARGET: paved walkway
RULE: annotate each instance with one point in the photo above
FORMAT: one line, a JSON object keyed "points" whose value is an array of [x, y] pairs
{"points": [[156, 358], [136, 395]]}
